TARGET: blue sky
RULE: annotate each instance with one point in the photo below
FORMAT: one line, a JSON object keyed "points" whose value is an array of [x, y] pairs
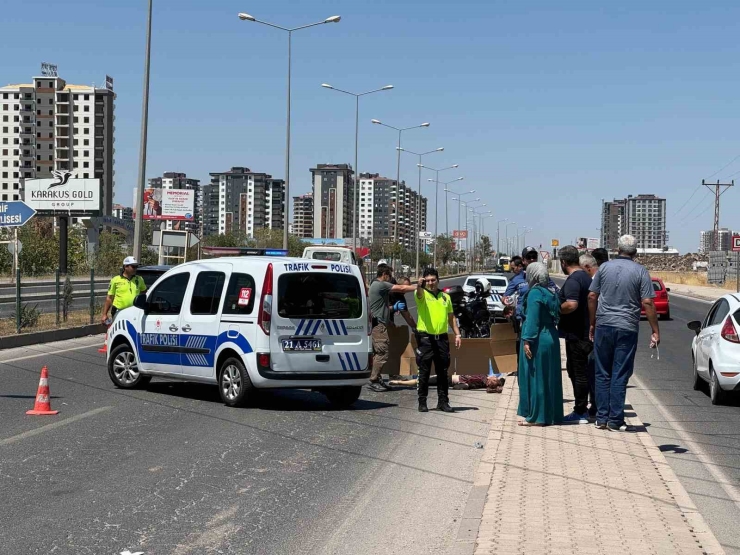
{"points": [[548, 107]]}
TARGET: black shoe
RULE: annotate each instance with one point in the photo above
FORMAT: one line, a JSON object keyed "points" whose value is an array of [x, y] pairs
{"points": [[423, 405], [444, 406], [377, 388], [384, 385]]}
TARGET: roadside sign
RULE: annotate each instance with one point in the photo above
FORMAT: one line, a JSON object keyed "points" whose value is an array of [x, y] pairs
{"points": [[460, 233], [555, 242], [15, 213], [545, 255], [11, 247], [736, 243], [425, 235]]}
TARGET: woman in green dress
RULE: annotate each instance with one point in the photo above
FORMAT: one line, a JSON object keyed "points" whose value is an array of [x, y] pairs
{"points": [[540, 374]]}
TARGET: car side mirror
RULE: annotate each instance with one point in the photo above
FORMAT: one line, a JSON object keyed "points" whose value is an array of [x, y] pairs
{"points": [[695, 326], [141, 302], [668, 289]]}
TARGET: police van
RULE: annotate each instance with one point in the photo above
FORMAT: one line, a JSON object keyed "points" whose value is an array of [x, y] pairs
{"points": [[248, 323]]}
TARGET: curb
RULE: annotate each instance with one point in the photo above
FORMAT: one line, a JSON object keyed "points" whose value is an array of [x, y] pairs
{"points": [[35, 338], [467, 533]]}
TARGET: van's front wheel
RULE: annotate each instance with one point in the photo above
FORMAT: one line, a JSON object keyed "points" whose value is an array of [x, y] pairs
{"points": [[234, 384], [343, 397]]}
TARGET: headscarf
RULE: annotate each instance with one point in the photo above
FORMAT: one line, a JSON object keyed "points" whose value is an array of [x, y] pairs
{"points": [[537, 274]]}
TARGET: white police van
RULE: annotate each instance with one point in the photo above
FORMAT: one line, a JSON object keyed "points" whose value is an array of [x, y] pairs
{"points": [[247, 323]]}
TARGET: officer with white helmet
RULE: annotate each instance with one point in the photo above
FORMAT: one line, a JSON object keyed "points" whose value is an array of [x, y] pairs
{"points": [[123, 289]]}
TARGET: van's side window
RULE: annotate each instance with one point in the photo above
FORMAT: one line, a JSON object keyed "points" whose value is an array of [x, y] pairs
{"points": [[167, 297], [240, 295], [207, 293]]}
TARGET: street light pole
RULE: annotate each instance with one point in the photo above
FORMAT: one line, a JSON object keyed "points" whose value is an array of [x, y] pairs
{"points": [[139, 223], [418, 201], [508, 246], [247, 17], [398, 169], [436, 199], [471, 244], [498, 234], [357, 139]]}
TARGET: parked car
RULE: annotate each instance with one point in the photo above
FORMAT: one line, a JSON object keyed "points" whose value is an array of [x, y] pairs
{"points": [[716, 348], [661, 300], [151, 274], [499, 283]]}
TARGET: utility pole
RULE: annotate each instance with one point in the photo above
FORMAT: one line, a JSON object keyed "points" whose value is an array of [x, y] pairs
{"points": [[719, 190]]}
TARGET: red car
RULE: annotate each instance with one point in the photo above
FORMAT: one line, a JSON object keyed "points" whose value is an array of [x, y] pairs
{"points": [[662, 304]]}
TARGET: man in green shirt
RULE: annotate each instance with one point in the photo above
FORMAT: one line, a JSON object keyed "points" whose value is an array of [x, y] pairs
{"points": [[124, 288], [379, 303], [435, 316]]}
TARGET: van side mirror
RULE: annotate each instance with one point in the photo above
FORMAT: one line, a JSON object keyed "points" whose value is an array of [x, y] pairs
{"points": [[140, 302], [668, 289], [695, 326]]}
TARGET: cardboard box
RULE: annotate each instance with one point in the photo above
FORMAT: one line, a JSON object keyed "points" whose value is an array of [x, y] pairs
{"points": [[503, 348], [399, 342]]}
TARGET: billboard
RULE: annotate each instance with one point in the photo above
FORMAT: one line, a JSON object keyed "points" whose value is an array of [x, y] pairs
{"points": [[169, 204], [588, 243], [460, 233], [63, 195]]}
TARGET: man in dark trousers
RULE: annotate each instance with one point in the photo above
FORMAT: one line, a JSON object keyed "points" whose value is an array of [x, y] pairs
{"points": [[379, 302], [574, 327], [435, 316]]}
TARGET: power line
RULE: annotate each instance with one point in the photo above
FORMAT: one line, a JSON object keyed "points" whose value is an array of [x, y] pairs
{"points": [[725, 166], [677, 212], [697, 205], [701, 213]]}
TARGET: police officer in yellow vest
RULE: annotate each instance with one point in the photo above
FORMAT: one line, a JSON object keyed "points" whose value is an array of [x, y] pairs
{"points": [[435, 315], [124, 288]]}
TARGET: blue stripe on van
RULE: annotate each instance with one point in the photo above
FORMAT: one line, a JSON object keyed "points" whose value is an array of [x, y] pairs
{"points": [[328, 327], [298, 329], [316, 327], [336, 327], [344, 328], [344, 366], [357, 360]]}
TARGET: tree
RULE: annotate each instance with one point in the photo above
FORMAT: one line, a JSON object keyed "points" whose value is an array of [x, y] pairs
{"points": [[484, 248], [266, 238], [445, 248], [110, 254]]}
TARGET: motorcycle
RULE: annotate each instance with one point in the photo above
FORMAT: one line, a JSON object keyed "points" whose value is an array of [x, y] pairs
{"points": [[471, 311]]}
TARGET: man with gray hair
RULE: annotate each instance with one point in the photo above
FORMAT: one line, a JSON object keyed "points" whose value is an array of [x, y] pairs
{"points": [[589, 264], [618, 291]]}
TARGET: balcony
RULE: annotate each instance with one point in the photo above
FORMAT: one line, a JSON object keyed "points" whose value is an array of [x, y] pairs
{"points": [[62, 154]]}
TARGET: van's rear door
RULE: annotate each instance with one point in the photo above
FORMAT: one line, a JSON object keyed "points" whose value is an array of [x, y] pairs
{"points": [[320, 319]]}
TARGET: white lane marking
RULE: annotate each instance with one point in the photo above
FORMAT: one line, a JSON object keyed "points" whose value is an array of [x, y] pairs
{"points": [[42, 429], [127, 552], [698, 451], [48, 353]]}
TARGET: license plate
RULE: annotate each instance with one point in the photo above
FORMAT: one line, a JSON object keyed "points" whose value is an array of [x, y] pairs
{"points": [[301, 344]]}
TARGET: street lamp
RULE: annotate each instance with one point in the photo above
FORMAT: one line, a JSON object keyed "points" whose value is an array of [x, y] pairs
{"points": [[470, 244], [508, 248], [447, 225], [247, 17], [478, 232], [139, 222], [398, 166], [357, 136], [418, 199], [498, 234]]}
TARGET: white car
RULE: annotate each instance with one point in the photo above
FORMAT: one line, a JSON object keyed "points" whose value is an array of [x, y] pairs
{"points": [[499, 283], [248, 323], [716, 348]]}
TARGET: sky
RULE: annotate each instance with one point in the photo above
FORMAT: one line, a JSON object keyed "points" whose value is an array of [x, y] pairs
{"points": [[547, 107]]}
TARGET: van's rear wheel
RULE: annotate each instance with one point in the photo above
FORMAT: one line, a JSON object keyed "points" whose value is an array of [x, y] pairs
{"points": [[343, 397], [234, 384]]}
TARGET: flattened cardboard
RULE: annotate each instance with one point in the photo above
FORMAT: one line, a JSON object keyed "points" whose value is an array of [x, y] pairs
{"points": [[505, 364], [399, 341]]}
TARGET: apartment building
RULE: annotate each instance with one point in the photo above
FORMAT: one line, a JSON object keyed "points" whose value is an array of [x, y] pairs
{"points": [[377, 211], [303, 216], [642, 216], [724, 240], [242, 200], [123, 212], [332, 186], [48, 125], [178, 180]]}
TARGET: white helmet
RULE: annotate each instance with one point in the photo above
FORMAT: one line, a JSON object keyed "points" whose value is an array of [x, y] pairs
{"points": [[482, 285]]}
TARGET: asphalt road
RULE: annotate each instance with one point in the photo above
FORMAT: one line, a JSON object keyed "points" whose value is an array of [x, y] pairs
{"points": [[700, 441], [171, 470]]}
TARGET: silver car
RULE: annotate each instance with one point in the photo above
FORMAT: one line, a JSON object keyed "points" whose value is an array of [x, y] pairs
{"points": [[499, 283]]}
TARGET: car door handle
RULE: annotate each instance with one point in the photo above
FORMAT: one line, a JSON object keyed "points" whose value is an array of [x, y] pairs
{"points": [[186, 328], [322, 358], [173, 327]]}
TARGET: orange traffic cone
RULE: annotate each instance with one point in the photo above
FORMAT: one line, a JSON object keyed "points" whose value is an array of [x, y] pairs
{"points": [[104, 348], [43, 400]]}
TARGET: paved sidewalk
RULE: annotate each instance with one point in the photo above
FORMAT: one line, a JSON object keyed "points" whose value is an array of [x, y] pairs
{"points": [[575, 489], [704, 292]]}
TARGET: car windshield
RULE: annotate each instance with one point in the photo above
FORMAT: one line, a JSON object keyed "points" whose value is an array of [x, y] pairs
{"points": [[327, 255], [319, 295], [657, 286]]}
